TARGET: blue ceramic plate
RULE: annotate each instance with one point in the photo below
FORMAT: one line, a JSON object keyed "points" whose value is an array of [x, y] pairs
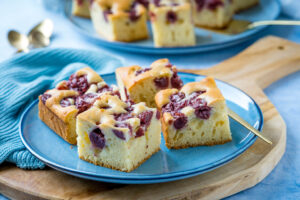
{"points": [[166, 165], [205, 40]]}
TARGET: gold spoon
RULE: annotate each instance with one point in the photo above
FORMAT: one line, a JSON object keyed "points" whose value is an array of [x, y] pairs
{"points": [[237, 118], [38, 39], [239, 26], [45, 27], [39, 36], [18, 40]]}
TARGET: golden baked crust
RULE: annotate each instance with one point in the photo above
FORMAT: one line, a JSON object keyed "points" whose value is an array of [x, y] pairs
{"points": [[158, 69], [95, 162], [195, 145], [64, 129], [53, 104]]}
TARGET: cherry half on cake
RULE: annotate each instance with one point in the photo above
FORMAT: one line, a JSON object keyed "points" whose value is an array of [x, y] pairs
{"points": [[194, 115], [141, 84], [118, 134]]}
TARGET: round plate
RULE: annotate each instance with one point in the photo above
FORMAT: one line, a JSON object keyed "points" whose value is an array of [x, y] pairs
{"points": [[205, 40], [165, 165]]}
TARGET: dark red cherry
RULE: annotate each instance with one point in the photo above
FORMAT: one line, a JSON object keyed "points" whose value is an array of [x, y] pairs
{"points": [[140, 132], [44, 97], [171, 17], [97, 138], [180, 120], [162, 82], [119, 134]]}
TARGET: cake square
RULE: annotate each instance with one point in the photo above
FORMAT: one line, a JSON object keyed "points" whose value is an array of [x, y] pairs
{"points": [[81, 8], [171, 23], [117, 134], [195, 115], [141, 85], [212, 13], [120, 20], [59, 107]]}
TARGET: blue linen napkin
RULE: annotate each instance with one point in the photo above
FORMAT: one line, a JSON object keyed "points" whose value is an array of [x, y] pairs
{"points": [[23, 78]]}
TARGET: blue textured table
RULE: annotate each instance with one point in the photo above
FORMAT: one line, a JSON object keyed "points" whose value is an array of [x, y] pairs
{"points": [[282, 183]]}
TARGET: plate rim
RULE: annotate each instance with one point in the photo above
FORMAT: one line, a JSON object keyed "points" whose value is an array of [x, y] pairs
{"points": [[136, 178], [131, 47]]}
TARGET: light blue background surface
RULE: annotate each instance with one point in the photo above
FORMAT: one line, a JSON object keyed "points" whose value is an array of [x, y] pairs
{"points": [[282, 183]]}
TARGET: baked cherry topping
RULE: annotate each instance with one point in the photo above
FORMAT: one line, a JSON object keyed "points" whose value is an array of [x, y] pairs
{"points": [[169, 65], [119, 134], [122, 116], [126, 93], [125, 125], [138, 72], [105, 88], [177, 96], [210, 4], [213, 4], [176, 82], [133, 16], [80, 2], [97, 138], [180, 120], [143, 2], [145, 118], [44, 97], [162, 82], [171, 17], [157, 115], [178, 102], [140, 132], [85, 101], [202, 112], [78, 83], [106, 13], [65, 102], [156, 2], [200, 4]]}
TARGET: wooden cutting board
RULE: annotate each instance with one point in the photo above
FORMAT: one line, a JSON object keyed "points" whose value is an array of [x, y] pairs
{"points": [[254, 69]]}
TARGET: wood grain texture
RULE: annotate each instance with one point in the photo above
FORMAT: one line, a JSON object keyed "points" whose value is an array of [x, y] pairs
{"points": [[261, 64]]}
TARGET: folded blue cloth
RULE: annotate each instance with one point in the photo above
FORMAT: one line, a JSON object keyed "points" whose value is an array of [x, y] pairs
{"points": [[23, 78]]}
